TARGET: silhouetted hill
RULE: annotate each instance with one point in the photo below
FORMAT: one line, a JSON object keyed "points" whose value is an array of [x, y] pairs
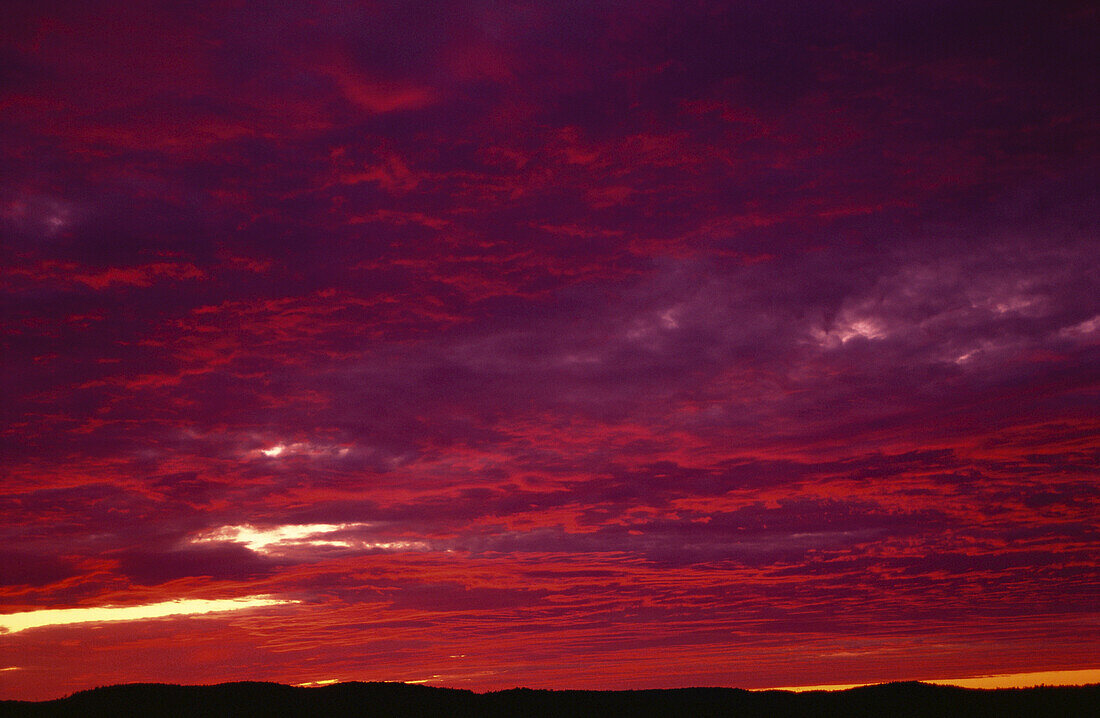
{"points": [[241, 700]]}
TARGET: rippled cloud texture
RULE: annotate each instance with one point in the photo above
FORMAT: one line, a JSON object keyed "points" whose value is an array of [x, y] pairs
{"points": [[560, 344]]}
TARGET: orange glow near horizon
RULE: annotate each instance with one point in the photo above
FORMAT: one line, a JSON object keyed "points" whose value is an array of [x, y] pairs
{"points": [[1007, 680], [1027, 680]]}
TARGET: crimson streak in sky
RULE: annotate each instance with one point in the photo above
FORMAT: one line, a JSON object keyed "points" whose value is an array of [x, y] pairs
{"points": [[560, 344]]}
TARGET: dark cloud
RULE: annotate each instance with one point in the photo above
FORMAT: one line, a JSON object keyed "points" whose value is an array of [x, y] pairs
{"points": [[220, 563], [23, 568]]}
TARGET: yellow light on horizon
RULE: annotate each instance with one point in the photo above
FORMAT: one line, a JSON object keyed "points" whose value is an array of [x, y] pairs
{"points": [[15, 622], [1026, 680], [1003, 680], [822, 687]]}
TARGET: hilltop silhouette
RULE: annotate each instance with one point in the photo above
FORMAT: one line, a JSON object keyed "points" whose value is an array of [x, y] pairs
{"points": [[897, 700]]}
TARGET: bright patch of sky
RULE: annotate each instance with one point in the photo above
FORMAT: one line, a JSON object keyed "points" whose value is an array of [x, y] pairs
{"points": [[267, 540], [15, 622], [303, 448], [276, 539]]}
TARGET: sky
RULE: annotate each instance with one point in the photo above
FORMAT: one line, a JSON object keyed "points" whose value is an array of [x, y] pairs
{"points": [[552, 344]]}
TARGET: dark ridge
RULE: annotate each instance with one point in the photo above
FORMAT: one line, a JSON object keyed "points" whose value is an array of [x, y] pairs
{"points": [[366, 700]]}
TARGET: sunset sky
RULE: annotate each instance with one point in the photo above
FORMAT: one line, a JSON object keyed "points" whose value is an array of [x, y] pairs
{"points": [[559, 344]]}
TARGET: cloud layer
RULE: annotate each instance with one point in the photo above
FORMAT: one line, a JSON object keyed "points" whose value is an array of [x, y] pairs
{"points": [[554, 344]]}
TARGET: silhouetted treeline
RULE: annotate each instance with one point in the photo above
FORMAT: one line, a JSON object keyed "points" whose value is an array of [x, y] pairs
{"points": [[894, 700]]}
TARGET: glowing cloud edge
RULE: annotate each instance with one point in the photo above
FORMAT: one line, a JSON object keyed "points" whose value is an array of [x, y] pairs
{"points": [[16, 622]]}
